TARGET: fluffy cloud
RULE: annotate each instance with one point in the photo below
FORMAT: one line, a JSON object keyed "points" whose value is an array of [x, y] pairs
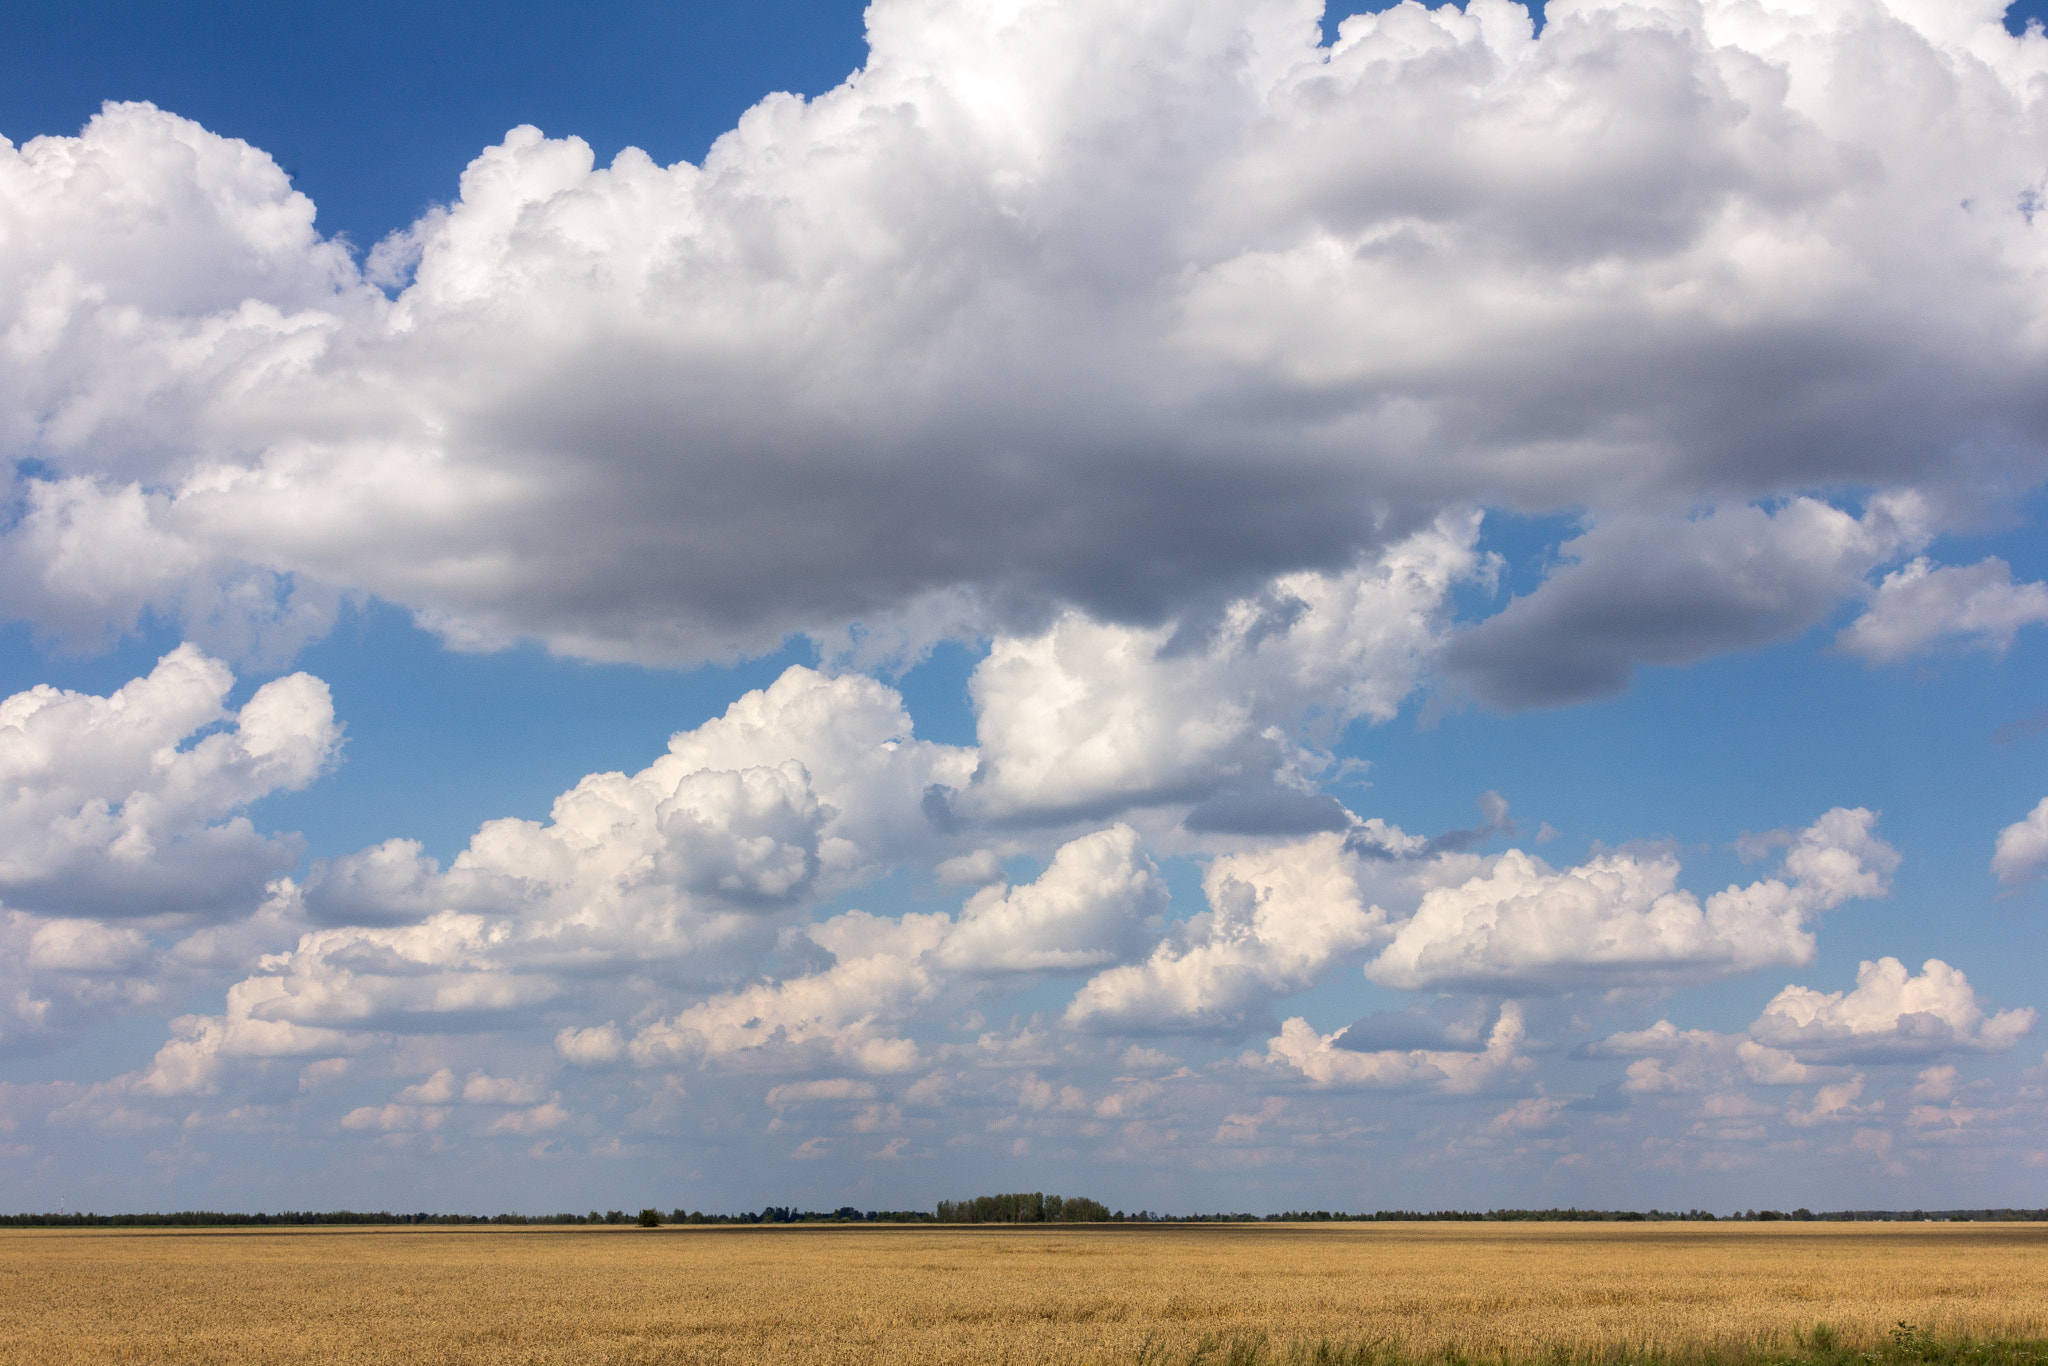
{"points": [[1089, 717], [1805, 1037], [840, 1016], [799, 789], [1670, 1060], [1919, 604], [1891, 1014], [119, 832], [2022, 849], [58, 977], [679, 874], [1087, 910], [447, 965], [443, 1087], [1833, 1104], [1325, 1061], [1622, 918], [1278, 919], [854, 367], [113, 808], [1089, 906]]}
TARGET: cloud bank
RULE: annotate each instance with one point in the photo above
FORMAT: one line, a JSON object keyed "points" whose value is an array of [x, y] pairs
{"points": [[1113, 309], [679, 937]]}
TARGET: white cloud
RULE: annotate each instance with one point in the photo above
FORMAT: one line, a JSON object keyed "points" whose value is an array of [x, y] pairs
{"points": [[1804, 1037], [479, 1088], [122, 806], [1661, 1076], [1088, 909], [537, 1120], [87, 946], [1658, 1040], [1278, 919], [1891, 1014], [591, 1047], [1082, 910], [447, 965], [1831, 1105], [1528, 1115], [438, 1089], [682, 869], [1921, 603], [318, 1074], [59, 978], [1091, 717], [1693, 1061], [1326, 1062], [971, 870], [2022, 849], [842, 1015], [827, 1089], [1768, 1066], [1935, 1083], [1674, 1061], [671, 413], [1622, 918], [119, 830], [191, 1062], [395, 1118]]}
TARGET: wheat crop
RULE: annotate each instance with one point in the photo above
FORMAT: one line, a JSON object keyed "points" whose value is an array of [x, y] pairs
{"points": [[968, 1296]]}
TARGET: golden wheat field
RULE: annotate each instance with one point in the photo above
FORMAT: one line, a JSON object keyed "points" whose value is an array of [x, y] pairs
{"points": [[988, 1295]]}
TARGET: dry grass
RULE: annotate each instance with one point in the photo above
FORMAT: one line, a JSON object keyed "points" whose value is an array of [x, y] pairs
{"points": [[1530, 1293]]}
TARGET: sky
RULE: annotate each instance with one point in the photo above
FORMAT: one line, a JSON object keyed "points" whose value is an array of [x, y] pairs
{"points": [[1201, 602]]}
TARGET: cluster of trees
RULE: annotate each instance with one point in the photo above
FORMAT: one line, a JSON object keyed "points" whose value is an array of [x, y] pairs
{"points": [[789, 1214], [1025, 1207], [1031, 1207]]}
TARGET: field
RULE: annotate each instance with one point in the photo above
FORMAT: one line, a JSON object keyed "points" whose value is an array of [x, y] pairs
{"points": [[1527, 1292]]}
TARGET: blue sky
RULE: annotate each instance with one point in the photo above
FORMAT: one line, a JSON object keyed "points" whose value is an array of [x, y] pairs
{"points": [[1371, 540]]}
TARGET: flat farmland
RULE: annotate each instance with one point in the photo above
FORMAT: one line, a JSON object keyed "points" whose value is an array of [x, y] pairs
{"points": [[965, 1295]]}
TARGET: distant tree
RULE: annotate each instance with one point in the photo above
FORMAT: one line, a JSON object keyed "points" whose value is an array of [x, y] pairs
{"points": [[650, 1218], [1022, 1207]]}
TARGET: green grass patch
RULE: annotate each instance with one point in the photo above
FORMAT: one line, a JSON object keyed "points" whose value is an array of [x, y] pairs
{"points": [[1903, 1344]]}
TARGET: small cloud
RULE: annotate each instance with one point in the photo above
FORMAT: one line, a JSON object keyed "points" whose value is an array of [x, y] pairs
{"points": [[591, 1047], [539, 1119], [316, 1074]]}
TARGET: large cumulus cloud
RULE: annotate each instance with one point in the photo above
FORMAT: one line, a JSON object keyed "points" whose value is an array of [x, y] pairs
{"points": [[1622, 919], [125, 863], [123, 806], [1113, 307]]}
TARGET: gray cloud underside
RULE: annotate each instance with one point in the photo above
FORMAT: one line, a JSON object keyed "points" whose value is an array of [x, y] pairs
{"points": [[1072, 306]]}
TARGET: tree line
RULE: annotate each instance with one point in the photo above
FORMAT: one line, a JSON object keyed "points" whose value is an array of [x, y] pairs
{"points": [[1028, 1207]]}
